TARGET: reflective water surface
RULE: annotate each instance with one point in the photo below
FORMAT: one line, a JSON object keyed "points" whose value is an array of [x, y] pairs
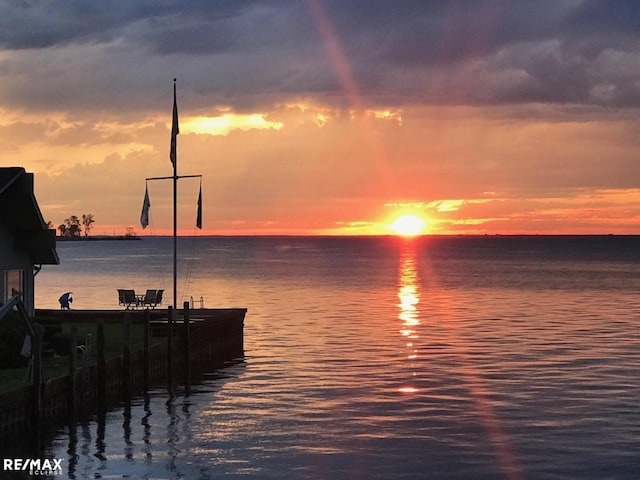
{"points": [[456, 358]]}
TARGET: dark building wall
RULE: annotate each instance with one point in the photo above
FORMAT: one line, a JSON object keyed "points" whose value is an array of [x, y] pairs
{"points": [[24, 238]]}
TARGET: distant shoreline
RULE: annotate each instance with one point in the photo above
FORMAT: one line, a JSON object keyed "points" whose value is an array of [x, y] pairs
{"points": [[417, 237], [97, 238], [424, 236]]}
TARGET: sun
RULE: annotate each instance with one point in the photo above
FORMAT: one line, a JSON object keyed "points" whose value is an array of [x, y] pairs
{"points": [[408, 225]]}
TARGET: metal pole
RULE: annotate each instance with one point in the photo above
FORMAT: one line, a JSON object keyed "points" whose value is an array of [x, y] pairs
{"points": [[172, 312], [175, 214], [175, 239]]}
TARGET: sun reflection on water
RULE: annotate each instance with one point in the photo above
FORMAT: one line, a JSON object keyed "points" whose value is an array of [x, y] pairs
{"points": [[408, 314]]}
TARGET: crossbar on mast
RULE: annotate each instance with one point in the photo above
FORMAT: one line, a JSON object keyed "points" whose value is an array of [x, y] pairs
{"points": [[171, 178]]}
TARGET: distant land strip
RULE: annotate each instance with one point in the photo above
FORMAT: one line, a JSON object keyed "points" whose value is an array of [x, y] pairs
{"points": [[97, 237]]}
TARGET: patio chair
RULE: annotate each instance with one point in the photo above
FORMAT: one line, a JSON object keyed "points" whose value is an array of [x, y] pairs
{"points": [[127, 298], [159, 297], [150, 298]]}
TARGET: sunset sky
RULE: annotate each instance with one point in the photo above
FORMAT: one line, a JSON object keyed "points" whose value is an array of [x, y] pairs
{"points": [[328, 116]]}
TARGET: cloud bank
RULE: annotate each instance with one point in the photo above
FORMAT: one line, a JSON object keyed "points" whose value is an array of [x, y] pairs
{"points": [[57, 53]]}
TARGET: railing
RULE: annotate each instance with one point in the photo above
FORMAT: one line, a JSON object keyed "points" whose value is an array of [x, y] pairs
{"points": [[15, 301], [192, 303]]}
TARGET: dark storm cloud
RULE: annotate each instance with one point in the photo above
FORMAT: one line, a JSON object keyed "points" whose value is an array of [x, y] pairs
{"points": [[442, 32], [607, 16], [498, 51], [43, 23], [249, 52]]}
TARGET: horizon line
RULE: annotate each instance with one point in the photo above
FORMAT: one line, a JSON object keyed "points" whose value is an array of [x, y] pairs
{"points": [[361, 235]]}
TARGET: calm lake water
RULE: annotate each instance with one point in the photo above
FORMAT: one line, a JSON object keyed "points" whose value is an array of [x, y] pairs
{"points": [[434, 358]]}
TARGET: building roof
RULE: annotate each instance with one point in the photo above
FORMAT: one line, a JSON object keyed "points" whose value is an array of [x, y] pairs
{"points": [[21, 216]]}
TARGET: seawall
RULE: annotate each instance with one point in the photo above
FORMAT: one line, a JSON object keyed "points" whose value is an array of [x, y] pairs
{"points": [[158, 353]]}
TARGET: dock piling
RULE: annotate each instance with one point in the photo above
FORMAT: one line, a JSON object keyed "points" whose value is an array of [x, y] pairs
{"points": [[186, 345], [101, 361], [170, 348], [145, 351], [126, 356], [73, 362]]}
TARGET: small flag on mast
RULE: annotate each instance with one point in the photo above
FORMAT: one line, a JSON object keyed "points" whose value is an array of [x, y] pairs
{"points": [[144, 216], [199, 214], [175, 129]]}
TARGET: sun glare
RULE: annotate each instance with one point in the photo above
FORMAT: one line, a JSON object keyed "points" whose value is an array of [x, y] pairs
{"points": [[408, 225]]}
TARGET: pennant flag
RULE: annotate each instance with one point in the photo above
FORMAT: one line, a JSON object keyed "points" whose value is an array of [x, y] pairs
{"points": [[175, 129], [144, 216], [199, 215]]}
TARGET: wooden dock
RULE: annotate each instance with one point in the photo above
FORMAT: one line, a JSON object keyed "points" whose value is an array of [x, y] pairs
{"points": [[166, 348]]}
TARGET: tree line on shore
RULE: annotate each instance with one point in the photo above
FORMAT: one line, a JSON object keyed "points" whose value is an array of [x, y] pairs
{"points": [[75, 226], [78, 227]]}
